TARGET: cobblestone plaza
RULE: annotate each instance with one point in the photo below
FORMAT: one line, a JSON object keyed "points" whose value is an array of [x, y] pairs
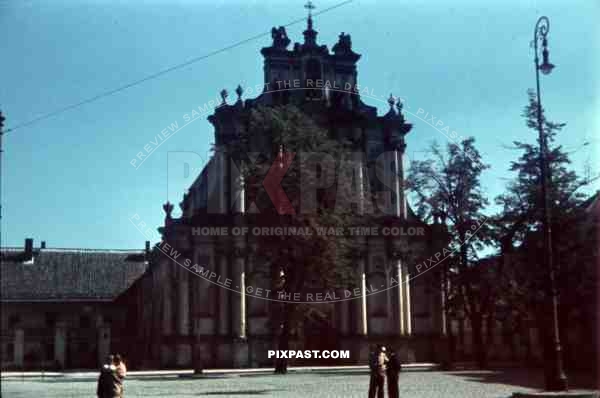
{"points": [[340, 384]]}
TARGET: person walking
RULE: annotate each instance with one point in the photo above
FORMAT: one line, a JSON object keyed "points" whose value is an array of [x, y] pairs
{"points": [[393, 373], [379, 363]]}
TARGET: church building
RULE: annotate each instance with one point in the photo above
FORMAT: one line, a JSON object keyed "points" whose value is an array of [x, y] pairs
{"points": [[186, 316]]}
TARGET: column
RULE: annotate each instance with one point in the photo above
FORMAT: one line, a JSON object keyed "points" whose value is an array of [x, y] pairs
{"points": [[193, 286], [224, 191], [183, 355], [167, 314], [400, 310], [243, 303], [361, 187], [19, 343], [407, 313], [400, 180], [183, 303], [238, 193], [195, 311], [363, 299], [157, 303], [60, 343], [240, 343], [360, 303], [218, 187], [391, 181], [397, 182], [239, 298], [224, 294]]}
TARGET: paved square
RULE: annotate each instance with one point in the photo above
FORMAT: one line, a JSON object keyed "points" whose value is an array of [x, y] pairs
{"points": [[349, 384]]}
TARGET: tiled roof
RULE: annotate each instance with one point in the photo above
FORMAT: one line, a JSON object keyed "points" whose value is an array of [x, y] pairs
{"points": [[68, 274], [592, 204]]}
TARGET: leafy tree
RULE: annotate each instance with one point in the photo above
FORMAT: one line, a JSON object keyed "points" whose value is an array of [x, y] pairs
{"points": [[519, 234], [298, 263], [448, 186]]}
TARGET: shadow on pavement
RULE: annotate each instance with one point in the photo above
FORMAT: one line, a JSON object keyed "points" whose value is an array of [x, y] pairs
{"points": [[237, 392], [332, 373], [528, 378]]}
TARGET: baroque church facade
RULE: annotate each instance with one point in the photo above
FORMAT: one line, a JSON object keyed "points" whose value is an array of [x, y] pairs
{"points": [[186, 316]]}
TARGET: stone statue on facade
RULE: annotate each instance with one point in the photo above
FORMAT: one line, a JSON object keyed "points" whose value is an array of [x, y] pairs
{"points": [[344, 44], [280, 38]]}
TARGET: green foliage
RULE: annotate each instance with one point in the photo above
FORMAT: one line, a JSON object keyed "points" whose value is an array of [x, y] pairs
{"points": [[521, 204], [519, 232], [298, 263], [448, 187], [306, 260]]}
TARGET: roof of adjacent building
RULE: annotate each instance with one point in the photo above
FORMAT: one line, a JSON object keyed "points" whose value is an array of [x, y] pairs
{"points": [[592, 204], [68, 274]]}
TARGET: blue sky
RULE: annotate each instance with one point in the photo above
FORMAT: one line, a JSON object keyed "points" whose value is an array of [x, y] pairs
{"points": [[68, 179]]}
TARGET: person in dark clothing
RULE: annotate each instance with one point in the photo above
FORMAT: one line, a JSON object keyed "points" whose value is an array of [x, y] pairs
{"points": [[109, 382], [373, 368], [378, 363], [393, 371]]}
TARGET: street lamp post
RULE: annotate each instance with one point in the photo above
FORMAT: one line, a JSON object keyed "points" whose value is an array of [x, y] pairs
{"points": [[556, 380]]}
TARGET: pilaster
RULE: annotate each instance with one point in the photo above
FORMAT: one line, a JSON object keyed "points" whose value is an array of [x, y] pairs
{"points": [[60, 343], [104, 338], [401, 326], [19, 344]]}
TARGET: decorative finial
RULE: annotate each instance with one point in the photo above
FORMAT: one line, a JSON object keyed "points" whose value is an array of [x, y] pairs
{"points": [[183, 203], [239, 91], [168, 208], [391, 101], [224, 95]]}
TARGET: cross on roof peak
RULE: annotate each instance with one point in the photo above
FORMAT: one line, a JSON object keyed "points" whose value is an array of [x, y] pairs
{"points": [[309, 6]]}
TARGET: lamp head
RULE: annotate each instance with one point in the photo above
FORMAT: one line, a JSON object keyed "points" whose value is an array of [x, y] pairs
{"points": [[546, 67]]}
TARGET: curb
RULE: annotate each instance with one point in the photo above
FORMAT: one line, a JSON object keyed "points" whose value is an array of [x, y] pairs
{"points": [[212, 373]]}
